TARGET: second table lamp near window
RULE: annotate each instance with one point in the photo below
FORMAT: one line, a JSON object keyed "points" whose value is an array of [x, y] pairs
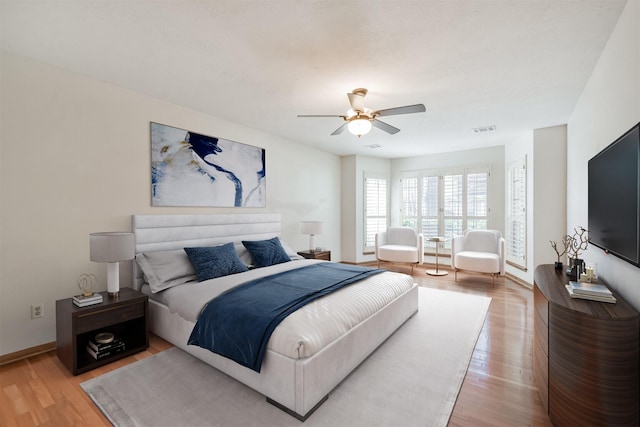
{"points": [[311, 228]]}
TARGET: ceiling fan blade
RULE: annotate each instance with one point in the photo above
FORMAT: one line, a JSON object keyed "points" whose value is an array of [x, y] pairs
{"points": [[385, 127], [340, 129], [357, 101], [407, 109], [320, 115]]}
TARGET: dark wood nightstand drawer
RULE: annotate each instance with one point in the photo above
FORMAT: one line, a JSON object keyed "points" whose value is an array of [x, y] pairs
{"points": [[109, 316], [323, 255]]}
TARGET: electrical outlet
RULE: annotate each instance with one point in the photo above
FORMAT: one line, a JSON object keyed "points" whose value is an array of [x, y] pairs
{"points": [[37, 310]]}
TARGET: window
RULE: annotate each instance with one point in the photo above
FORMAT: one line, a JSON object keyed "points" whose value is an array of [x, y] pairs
{"points": [[375, 209], [410, 202], [430, 206], [449, 201], [516, 232], [477, 203]]}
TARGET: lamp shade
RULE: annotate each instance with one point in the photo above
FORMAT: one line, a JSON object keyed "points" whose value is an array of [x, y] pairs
{"points": [[112, 246], [359, 127], [311, 227]]}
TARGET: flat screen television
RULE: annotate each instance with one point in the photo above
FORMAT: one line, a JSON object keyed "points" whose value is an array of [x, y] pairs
{"points": [[614, 197]]}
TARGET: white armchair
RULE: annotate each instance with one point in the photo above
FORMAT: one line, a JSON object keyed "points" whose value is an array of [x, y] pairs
{"points": [[481, 251], [399, 244]]}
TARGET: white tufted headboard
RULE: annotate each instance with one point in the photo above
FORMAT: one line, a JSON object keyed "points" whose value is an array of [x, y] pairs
{"points": [[170, 232]]}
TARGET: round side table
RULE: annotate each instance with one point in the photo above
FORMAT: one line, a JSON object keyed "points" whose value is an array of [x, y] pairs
{"points": [[437, 272]]}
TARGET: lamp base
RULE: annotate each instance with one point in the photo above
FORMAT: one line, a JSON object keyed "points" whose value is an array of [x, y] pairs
{"points": [[113, 279], [114, 294], [437, 272]]}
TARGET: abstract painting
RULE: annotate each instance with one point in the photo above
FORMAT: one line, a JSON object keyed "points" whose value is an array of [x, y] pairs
{"points": [[191, 169]]}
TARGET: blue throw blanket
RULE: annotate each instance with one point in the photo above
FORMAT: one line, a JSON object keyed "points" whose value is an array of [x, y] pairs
{"points": [[239, 323]]}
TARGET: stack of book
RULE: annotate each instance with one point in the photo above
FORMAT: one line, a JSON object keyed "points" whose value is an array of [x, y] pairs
{"points": [[100, 351], [83, 301], [590, 291]]}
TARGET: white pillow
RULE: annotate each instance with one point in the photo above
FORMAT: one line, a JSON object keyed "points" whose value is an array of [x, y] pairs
{"points": [[243, 254], [165, 269], [292, 254]]}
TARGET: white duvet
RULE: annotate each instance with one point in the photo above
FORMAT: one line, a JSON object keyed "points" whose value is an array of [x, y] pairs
{"points": [[306, 331]]}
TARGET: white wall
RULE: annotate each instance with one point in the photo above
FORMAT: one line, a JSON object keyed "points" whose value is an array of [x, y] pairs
{"points": [[546, 155], [350, 207], [608, 107], [353, 170], [549, 192], [75, 159], [515, 150]]}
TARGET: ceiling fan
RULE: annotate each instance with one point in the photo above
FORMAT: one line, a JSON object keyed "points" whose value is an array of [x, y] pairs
{"points": [[359, 119]]}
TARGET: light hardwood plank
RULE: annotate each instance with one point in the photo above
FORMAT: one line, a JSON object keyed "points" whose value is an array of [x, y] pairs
{"points": [[498, 389]]}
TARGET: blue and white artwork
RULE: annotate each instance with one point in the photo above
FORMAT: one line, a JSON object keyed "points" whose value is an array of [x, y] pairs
{"points": [[191, 169]]}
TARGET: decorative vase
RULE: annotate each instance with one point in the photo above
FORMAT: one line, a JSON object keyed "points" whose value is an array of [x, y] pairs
{"points": [[558, 265]]}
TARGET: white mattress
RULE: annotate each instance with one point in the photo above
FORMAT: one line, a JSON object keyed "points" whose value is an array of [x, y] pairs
{"points": [[309, 329]]}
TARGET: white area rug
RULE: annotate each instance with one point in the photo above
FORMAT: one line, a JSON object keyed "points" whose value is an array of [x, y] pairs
{"points": [[412, 379]]}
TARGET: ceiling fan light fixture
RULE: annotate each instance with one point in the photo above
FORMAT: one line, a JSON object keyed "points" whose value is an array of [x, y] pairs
{"points": [[359, 119], [359, 127]]}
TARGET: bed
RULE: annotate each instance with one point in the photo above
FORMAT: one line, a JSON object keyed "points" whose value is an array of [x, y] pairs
{"points": [[295, 381]]}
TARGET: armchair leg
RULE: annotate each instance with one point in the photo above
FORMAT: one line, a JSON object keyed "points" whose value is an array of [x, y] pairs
{"points": [[493, 280], [455, 274]]}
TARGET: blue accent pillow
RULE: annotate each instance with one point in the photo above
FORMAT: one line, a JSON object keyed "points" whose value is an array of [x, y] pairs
{"points": [[215, 261], [266, 252]]}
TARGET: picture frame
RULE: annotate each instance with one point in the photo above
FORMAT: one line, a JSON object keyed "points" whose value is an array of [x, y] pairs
{"points": [[192, 169]]}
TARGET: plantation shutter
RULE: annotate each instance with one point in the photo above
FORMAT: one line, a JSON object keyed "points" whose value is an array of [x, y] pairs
{"points": [[516, 232], [453, 205], [430, 214], [410, 202], [375, 209]]}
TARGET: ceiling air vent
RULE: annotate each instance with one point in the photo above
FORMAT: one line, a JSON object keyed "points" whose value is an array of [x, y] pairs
{"points": [[484, 129], [373, 146]]}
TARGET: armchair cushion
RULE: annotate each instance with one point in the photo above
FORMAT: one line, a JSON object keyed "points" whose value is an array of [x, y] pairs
{"points": [[482, 262], [399, 244], [479, 250], [398, 253]]}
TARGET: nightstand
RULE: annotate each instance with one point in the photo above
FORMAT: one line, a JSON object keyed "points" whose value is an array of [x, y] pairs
{"points": [[324, 255], [125, 316]]}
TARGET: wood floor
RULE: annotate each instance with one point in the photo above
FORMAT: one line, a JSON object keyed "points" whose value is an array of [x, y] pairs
{"points": [[498, 389]]}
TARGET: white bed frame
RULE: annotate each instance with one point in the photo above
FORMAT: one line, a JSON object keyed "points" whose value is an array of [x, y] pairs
{"points": [[296, 386]]}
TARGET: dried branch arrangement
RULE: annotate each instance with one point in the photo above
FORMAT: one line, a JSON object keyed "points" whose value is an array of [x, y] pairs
{"points": [[573, 245], [565, 244], [578, 242]]}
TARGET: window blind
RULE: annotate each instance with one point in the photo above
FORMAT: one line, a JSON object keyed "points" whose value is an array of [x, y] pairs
{"points": [[516, 232], [375, 209]]}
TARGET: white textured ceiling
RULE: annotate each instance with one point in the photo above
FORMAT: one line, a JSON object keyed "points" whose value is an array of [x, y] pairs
{"points": [[515, 64]]}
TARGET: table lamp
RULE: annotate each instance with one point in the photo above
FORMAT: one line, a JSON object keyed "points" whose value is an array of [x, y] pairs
{"points": [[112, 247], [311, 228]]}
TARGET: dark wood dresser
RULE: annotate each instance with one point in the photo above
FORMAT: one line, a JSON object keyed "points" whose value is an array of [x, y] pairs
{"points": [[586, 356]]}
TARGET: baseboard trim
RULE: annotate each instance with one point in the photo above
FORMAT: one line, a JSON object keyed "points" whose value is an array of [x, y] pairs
{"points": [[27, 352], [519, 281]]}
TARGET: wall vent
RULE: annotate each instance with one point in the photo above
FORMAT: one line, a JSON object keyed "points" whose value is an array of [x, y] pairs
{"points": [[484, 129]]}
